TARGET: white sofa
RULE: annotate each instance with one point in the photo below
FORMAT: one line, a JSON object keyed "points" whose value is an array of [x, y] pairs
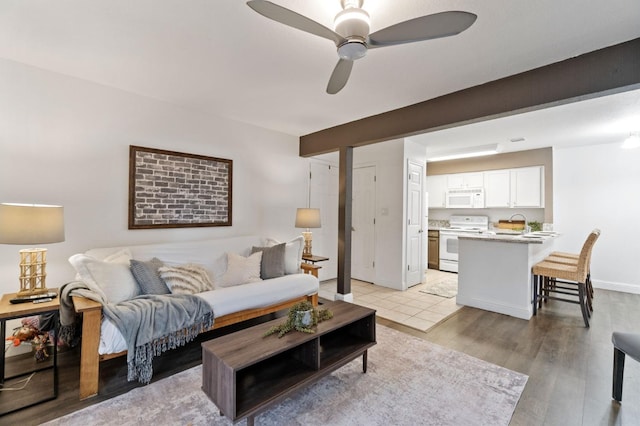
{"points": [[230, 304]]}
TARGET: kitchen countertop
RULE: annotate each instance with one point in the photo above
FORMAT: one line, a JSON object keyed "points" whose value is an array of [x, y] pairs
{"points": [[539, 237]]}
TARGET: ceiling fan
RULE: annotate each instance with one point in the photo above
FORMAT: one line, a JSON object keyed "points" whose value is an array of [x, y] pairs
{"points": [[352, 37]]}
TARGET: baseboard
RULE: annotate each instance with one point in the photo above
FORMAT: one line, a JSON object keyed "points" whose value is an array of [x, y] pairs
{"points": [[522, 312], [345, 297], [621, 287]]}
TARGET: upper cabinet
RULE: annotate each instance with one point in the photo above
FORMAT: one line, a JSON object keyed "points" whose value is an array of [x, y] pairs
{"points": [[437, 189], [465, 180], [527, 187], [508, 188], [521, 187], [497, 189]]}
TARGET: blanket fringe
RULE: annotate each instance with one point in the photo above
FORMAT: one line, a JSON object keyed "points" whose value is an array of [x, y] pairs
{"points": [[141, 365]]}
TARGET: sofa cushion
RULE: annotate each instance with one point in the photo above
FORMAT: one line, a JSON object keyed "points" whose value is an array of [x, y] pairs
{"points": [[186, 279], [147, 275], [211, 254], [241, 270], [261, 294], [292, 254], [113, 281], [272, 264]]}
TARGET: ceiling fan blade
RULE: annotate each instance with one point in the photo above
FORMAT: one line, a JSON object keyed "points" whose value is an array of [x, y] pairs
{"points": [[437, 25], [339, 76], [293, 19]]}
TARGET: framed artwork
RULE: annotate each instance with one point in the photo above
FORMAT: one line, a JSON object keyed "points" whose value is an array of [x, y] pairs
{"points": [[170, 189]]}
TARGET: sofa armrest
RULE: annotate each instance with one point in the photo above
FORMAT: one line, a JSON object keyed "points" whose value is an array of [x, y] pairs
{"points": [[82, 304], [89, 359]]}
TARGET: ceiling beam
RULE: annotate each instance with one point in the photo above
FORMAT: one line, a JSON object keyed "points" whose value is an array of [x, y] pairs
{"points": [[609, 70]]}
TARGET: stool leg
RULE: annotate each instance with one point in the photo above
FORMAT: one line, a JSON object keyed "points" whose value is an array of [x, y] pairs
{"points": [[618, 370], [535, 293], [583, 303]]}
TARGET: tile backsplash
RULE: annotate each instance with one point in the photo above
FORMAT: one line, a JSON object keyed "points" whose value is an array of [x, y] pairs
{"points": [[434, 223]]}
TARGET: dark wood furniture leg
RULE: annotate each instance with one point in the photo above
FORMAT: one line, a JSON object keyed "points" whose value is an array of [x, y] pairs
{"points": [[618, 372], [364, 362]]}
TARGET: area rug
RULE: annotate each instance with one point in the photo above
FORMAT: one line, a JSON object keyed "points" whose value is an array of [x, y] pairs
{"points": [[409, 381], [445, 288]]}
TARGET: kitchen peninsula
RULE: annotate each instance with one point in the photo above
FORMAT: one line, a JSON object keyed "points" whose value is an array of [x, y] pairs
{"points": [[494, 271]]}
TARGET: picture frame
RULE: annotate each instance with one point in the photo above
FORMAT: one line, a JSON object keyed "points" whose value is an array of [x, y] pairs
{"points": [[169, 189]]}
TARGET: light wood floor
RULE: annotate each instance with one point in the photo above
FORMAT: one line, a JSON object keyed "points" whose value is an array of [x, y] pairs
{"points": [[569, 366]]}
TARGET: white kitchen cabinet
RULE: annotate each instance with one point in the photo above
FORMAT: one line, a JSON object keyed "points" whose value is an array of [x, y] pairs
{"points": [[497, 188], [527, 187], [514, 188], [465, 180], [437, 188]]}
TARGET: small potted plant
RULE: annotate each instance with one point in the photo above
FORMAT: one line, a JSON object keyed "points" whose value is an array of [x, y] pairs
{"points": [[302, 317]]}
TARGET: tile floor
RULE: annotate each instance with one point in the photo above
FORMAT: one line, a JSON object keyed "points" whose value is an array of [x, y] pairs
{"points": [[412, 307]]}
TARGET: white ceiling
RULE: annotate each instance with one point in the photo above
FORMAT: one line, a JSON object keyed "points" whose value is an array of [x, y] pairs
{"points": [[220, 57], [602, 120]]}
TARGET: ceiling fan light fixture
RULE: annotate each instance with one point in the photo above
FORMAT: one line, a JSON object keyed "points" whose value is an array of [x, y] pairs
{"points": [[352, 22], [352, 50], [346, 4]]}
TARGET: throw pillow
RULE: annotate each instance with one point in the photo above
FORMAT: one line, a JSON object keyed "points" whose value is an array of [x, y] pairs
{"points": [[148, 277], [120, 256], [114, 282], [292, 254], [241, 270], [186, 279], [272, 264]]}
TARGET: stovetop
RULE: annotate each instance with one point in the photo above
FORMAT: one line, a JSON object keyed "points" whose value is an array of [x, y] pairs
{"points": [[460, 223]]}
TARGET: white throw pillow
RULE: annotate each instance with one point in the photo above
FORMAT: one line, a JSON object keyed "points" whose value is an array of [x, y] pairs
{"points": [[241, 270], [186, 279], [113, 281], [120, 256], [292, 254]]}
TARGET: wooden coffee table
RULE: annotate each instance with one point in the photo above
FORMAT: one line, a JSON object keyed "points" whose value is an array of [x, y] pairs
{"points": [[244, 373]]}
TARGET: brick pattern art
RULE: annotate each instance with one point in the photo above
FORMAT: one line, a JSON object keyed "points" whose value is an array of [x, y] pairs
{"points": [[170, 189]]}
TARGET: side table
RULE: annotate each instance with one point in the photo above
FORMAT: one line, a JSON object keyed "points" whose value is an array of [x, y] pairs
{"points": [[309, 265], [9, 311]]}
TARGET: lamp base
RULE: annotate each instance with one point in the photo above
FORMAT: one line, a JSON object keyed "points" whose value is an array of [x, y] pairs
{"points": [[307, 243], [33, 266]]}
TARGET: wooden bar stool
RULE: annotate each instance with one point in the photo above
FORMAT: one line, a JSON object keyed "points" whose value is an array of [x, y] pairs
{"points": [[573, 259], [566, 280]]}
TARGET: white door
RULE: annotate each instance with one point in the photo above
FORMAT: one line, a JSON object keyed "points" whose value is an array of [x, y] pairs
{"points": [[323, 194], [363, 223], [415, 233]]}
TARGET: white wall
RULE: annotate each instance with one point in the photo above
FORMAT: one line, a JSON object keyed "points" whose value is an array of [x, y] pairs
{"points": [[388, 158], [599, 187], [66, 141]]}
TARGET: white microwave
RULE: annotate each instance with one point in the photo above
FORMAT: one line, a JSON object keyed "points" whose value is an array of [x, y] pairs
{"points": [[465, 198]]}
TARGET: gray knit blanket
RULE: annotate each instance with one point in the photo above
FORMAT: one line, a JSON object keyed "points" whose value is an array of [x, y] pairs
{"points": [[150, 324]]}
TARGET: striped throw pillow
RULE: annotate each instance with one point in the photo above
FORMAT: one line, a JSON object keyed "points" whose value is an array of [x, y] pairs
{"points": [[186, 279]]}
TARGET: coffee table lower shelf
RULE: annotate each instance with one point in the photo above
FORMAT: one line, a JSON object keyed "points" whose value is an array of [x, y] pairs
{"points": [[245, 373]]}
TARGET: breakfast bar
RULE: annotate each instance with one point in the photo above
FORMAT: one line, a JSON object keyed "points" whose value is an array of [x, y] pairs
{"points": [[494, 270]]}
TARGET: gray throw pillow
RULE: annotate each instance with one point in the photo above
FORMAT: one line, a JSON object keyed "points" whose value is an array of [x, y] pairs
{"points": [[272, 265], [148, 277]]}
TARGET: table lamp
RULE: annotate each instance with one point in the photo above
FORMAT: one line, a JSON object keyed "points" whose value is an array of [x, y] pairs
{"points": [[26, 224], [307, 218]]}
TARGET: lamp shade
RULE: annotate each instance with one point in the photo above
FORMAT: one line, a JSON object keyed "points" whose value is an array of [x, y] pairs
{"points": [[308, 218], [31, 224]]}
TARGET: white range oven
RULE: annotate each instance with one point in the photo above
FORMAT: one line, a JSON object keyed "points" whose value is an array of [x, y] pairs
{"points": [[458, 225]]}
